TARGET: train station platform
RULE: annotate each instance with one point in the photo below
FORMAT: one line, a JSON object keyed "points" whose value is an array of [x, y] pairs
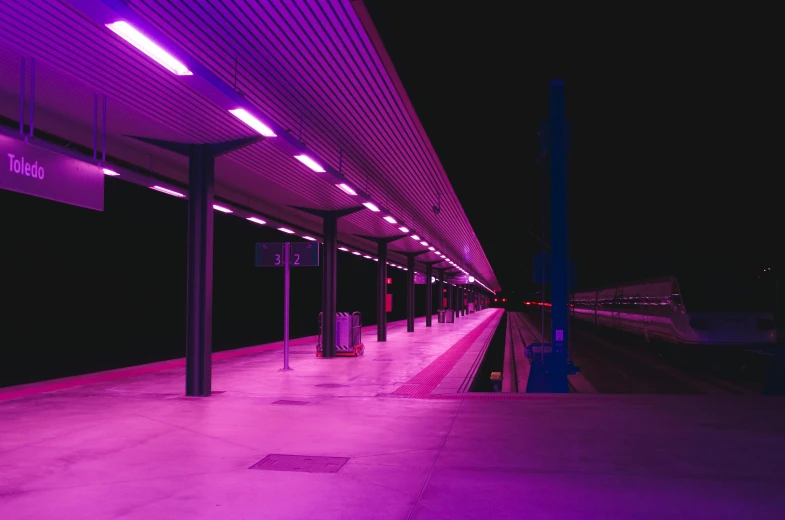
{"points": [[373, 438]]}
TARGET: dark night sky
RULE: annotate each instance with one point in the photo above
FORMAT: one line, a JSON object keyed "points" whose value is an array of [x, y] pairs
{"points": [[671, 167]]}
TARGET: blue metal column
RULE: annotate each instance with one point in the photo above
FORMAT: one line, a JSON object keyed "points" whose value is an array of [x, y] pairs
{"points": [[329, 284], [559, 241], [428, 295], [549, 372]]}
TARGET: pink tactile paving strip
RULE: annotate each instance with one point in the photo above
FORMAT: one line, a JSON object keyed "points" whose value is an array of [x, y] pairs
{"points": [[421, 385]]}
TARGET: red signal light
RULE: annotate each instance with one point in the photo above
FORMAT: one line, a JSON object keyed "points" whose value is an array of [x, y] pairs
{"points": [[389, 281]]}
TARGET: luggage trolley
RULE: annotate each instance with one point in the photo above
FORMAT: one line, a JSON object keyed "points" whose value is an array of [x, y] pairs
{"points": [[348, 335]]}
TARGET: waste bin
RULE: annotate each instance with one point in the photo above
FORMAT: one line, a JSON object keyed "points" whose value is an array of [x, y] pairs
{"points": [[348, 334], [449, 316], [441, 313]]}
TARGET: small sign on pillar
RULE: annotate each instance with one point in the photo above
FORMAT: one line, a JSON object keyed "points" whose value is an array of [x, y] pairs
{"points": [[388, 303]]}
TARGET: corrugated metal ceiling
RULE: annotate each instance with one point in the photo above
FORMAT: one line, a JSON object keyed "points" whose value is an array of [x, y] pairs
{"points": [[311, 67]]}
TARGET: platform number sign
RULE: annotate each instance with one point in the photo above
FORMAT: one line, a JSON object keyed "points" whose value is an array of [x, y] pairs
{"points": [[273, 254], [305, 254]]}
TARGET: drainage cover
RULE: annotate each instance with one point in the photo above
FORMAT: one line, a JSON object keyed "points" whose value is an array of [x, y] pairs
{"points": [[287, 401], [302, 463], [331, 385]]}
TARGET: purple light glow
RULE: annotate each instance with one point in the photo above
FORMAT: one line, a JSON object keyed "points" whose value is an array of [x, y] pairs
{"points": [[167, 191], [375, 259], [286, 230], [243, 115], [110, 173], [390, 219], [347, 189], [257, 220], [222, 209], [404, 229], [371, 206], [312, 239], [310, 163], [130, 34]]}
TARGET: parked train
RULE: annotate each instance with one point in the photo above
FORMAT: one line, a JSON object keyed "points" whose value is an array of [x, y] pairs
{"points": [[656, 309]]}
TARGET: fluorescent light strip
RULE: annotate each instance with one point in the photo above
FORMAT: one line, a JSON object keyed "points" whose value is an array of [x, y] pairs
{"points": [[403, 229], [347, 189], [167, 191], [312, 239], [424, 243], [415, 237], [431, 248], [130, 34], [222, 209], [371, 206], [257, 220], [437, 252], [310, 163], [356, 253], [342, 249], [390, 219], [286, 230], [367, 256], [244, 116], [110, 173]]}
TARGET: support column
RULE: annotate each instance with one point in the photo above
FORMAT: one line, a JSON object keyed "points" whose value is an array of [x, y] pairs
{"points": [[381, 283], [329, 272], [199, 269], [199, 285], [410, 286], [440, 304], [428, 295], [381, 293], [450, 298], [329, 284], [410, 294]]}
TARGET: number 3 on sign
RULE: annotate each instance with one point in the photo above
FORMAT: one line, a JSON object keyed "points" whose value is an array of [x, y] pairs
{"points": [[277, 259]]}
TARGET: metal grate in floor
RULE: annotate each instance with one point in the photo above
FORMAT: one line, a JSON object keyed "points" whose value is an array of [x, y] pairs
{"points": [[303, 463], [289, 401]]}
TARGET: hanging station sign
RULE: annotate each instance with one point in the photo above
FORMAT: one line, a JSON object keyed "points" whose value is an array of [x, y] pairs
{"points": [[40, 172]]}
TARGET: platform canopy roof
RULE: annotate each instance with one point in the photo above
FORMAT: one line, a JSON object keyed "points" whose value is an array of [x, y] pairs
{"points": [[315, 74]]}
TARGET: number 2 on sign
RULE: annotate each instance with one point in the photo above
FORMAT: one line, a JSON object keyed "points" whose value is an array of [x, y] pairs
{"points": [[296, 259]]}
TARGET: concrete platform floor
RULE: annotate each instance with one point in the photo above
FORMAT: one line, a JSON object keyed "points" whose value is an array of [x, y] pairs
{"points": [[134, 448]]}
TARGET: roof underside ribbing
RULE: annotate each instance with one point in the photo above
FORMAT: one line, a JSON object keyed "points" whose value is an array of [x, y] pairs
{"points": [[315, 68]]}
